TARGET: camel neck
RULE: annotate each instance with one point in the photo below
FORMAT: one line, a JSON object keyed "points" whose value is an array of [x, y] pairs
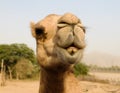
{"points": [[52, 82]]}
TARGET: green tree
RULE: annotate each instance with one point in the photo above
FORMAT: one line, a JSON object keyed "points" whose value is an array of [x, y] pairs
{"points": [[11, 54], [23, 51]]}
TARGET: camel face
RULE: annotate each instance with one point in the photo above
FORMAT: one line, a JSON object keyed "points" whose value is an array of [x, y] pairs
{"points": [[60, 40]]}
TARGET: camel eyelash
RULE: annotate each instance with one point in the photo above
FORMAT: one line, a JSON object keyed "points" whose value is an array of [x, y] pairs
{"points": [[84, 29]]}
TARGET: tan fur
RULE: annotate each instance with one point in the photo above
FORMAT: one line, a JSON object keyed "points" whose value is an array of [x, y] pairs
{"points": [[60, 43]]}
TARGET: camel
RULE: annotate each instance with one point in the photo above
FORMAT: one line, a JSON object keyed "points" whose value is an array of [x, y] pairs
{"points": [[60, 42]]}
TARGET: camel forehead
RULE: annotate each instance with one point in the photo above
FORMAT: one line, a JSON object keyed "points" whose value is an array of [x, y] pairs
{"points": [[49, 23], [69, 18], [50, 20]]}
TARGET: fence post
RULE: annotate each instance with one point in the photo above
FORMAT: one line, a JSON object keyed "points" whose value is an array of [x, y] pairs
{"points": [[2, 73]]}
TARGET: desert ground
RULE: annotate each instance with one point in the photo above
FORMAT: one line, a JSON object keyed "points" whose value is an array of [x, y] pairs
{"points": [[27, 86], [20, 87], [113, 78]]}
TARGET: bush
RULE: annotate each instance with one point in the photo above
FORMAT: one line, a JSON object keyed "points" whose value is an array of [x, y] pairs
{"points": [[23, 69], [80, 69]]}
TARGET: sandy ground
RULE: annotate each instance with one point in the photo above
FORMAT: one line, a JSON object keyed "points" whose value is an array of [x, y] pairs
{"points": [[20, 87], [113, 78], [33, 87], [105, 75], [91, 87]]}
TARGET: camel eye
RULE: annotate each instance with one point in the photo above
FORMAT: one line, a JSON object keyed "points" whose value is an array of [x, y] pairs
{"points": [[62, 24]]}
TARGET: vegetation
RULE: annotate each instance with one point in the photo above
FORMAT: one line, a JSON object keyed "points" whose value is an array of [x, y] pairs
{"points": [[20, 63], [80, 69], [23, 69], [104, 69], [19, 60]]}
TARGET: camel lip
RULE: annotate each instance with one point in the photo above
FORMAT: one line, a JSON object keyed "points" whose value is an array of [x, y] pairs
{"points": [[72, 49], [65, 54], [72, 46]]}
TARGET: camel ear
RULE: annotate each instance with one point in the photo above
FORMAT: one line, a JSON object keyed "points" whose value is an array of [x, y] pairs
{"points": [[32, 26]]}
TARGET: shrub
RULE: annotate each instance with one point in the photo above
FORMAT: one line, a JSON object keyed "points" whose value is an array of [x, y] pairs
{"points": [[80, 69], [23, 69]]}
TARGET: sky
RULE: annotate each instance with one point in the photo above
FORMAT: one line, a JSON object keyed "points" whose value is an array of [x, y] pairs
{"points": [[100, 17]]}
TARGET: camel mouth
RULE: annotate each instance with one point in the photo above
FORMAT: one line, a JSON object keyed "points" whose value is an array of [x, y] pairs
{"points": [[72, 49], [70, 52]]}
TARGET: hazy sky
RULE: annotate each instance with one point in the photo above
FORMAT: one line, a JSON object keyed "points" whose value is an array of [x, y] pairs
{"points": [[101, 17]]}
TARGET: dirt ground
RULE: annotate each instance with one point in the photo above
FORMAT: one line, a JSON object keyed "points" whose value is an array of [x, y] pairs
{"points": [[20, 87], [92, 87], [33, 87]]}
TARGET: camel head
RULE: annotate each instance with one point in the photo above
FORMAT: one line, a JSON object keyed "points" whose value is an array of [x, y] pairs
{"points": [[60, 40]]}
